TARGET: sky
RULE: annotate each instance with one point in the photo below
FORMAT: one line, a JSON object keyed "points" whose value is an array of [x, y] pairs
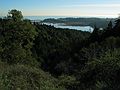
{"points": [[92, 8]]}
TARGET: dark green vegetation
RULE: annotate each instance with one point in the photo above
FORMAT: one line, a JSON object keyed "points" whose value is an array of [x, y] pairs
{"points": [[99, 22], [41, 57]]}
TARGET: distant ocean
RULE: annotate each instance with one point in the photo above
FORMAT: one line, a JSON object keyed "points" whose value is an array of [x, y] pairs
{"points": [[55, 17], [43, 17], [39, 17]]}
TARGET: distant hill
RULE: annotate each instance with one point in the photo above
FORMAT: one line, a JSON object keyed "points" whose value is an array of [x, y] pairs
{"points": [[99, 22]]}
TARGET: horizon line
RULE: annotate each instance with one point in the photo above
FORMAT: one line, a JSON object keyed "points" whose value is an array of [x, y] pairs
{"points": [[85, 16]]}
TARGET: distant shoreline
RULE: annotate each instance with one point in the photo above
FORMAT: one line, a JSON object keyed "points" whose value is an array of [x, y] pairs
{"points": [[57, 17]]}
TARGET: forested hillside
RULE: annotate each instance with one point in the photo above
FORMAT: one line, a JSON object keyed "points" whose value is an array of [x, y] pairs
{"points": [[99, 22], [42, 57]]}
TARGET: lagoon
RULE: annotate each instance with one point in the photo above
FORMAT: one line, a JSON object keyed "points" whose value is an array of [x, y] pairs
{"points": [[62, 25]]}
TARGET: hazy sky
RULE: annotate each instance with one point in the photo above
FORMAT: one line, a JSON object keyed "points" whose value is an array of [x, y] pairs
{"points": [[107, 8]]}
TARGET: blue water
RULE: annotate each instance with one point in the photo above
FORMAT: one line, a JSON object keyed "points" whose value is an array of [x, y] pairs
{"points": [[61, 25]]}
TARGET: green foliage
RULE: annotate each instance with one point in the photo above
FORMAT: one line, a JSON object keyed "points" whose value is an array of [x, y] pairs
{"points": [[102, 72], [99, 22], [74, 60], [67, 81], [17, 40], [15, 15], [19, 70], [55, 47], [20, 77], [110, 25]]}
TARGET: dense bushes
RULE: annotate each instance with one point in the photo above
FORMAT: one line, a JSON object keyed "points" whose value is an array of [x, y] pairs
{"points": [[19, 70], [102, 73], [21, 77], [41, 57]]}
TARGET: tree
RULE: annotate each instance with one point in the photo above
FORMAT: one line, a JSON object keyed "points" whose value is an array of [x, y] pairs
{"points": [[15, 15], [116, 28], [18, 38], [95, 34], [109, 25]]}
